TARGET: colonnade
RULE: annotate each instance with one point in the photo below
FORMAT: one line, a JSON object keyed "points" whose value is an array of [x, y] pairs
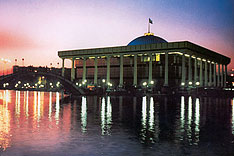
{"points": [[207, 78], [216, 79]]}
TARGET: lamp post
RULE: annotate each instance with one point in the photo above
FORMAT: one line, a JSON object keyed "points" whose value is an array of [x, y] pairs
{"points": [[23, 61], [15, 62]]}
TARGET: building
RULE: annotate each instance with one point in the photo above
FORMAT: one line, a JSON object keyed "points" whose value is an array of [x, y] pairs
{"points": [[148, 61]]}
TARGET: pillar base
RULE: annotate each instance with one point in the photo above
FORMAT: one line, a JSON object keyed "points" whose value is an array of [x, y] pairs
{"points": [[120, 86]]}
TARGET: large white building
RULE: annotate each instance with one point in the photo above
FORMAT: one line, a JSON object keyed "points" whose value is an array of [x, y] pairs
{"points": [[148, 61]]}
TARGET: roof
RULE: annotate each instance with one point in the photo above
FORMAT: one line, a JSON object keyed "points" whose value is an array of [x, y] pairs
{"points": [[183, 47], [149, 38]]}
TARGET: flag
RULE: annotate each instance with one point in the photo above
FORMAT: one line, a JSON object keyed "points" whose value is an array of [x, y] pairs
{"points": [[150, 21]]}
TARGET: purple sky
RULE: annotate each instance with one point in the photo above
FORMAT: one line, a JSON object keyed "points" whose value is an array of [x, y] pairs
{"points": [[36, 30]]}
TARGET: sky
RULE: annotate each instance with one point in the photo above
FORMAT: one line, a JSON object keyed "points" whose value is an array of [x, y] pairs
{"points": [[37, 29]]}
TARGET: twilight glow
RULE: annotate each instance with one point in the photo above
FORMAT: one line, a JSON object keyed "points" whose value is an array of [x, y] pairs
{"points": [[36, 30]]}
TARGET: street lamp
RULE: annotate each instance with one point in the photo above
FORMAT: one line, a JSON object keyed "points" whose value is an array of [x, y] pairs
{"points": [[23, 61], [15, 62]]}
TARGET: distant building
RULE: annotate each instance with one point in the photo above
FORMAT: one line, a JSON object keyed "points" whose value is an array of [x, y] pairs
{"points": [[148, 61]]}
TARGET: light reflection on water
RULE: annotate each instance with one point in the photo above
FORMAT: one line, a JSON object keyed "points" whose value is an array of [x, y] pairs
{"points": [[121, 125], [106, 116], [233, 116], [182, 112], [144, 118], [5, 117], [57, 107], [197, 120], [84, 114]]}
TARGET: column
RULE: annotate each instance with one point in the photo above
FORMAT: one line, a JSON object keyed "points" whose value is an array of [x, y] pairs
{"points": [[189, 71], [222, 75], [195, 71], [218, 76], [214, 76], [150, 69], [63, 59], [210, 75], [135, 71], [73, 70], [183, 70], [84, 70], [166, 70], [206, 74], [108, 69], [95, 71], [201, 74], [121, 71], [225, 75]]}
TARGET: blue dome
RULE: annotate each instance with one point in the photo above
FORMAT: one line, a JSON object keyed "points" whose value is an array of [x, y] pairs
{"points": [[148, 39]]}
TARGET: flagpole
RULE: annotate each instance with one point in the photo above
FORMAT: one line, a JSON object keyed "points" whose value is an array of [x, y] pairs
{"points": [[148, 27]]}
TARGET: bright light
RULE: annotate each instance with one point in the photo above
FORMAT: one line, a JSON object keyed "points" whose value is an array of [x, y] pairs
{"points": [[144, 83], [190, 83], [182, 83], [103, 80], [6, 60], [197, 83], [109, 84], [77, 83], [151, 82], [84, 82]]}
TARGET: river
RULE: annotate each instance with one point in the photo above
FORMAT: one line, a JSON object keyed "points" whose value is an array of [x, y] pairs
{"points": [[43, 124]]}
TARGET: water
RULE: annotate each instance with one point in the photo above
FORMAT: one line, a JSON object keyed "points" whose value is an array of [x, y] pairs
{"points": [[40, 123]]}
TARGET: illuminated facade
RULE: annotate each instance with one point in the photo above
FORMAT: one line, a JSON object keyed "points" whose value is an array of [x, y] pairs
{"points": [[148, 61]]}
